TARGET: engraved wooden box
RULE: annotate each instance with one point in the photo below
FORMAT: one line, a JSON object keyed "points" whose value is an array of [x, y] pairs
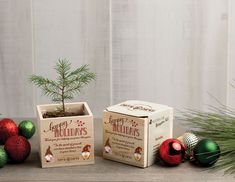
{"points": [[66, 141], [133, 131]]}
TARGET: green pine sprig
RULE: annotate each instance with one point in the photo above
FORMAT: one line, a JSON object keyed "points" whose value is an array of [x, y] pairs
{"points": [[67, 84], [218, 125]]}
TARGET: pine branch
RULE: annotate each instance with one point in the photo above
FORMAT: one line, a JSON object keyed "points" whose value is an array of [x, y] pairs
{"points": [[67, 84], [80, 71], [63, 67], [49, 87], [218, 125], [80, 81]]}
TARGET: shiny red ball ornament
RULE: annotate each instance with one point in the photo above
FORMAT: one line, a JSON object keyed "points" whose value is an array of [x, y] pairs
{"points": [[172, 151], [8, 128], [18, 148]]}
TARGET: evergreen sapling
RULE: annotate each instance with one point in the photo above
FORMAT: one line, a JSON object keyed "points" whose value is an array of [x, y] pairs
{"points": [[66, 85]]}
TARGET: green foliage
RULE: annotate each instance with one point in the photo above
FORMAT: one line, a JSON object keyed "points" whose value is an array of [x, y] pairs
{"points": [[218, 125], [67, 84]]}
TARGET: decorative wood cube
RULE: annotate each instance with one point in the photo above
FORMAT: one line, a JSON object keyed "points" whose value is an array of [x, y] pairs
{"points": [[133, 131], [66, 141]]}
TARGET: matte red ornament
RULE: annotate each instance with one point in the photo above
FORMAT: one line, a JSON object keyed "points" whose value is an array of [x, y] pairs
{"points": [[18, 148], [172, 151], [8, 128]]}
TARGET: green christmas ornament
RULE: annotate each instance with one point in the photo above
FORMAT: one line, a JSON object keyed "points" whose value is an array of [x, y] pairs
{"points": [[26, 128], [3, 157], [206, 152]]}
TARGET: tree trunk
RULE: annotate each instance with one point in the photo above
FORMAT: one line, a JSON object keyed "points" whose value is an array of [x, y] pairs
{"points": [[62, 98]]}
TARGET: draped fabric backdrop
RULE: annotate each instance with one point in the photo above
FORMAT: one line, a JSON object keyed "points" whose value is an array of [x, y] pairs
{"points": [[177, 53]]}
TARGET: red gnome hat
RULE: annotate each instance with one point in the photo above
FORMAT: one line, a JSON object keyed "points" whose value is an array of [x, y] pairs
{"points": [[107, 143], [48, 152], [138, 150], [86, 148]]}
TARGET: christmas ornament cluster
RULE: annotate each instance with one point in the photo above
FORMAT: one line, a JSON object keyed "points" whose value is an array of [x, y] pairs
{"points": [[204, 152], [15, 140]]}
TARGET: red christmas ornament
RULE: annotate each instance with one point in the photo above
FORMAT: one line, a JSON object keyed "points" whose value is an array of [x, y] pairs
{"points": [[8, 128], [172, 151], [18, 148]]}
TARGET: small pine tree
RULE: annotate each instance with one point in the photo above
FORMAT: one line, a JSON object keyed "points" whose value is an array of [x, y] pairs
{"points": [[67, 84]]}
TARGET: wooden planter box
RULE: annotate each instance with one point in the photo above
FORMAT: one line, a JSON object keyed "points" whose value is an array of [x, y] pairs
{"points": [[66, 141], [133, 131]]}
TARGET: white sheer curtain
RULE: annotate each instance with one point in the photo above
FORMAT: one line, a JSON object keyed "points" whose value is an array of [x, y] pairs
{"points": [[35, 33], [164, 51], [171, 52]]}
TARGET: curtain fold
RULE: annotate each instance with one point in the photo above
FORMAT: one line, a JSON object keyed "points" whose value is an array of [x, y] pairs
{"points": [[16, 58], [170, 52], [79, 31], [177, 53]]}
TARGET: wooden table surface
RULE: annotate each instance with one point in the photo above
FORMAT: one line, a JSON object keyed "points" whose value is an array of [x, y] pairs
{"points": [[105, 170]]}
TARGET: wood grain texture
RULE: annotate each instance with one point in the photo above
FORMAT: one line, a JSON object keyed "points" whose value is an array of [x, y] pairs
{"points": [[77, 30], [16, 60], [231, 54], [34, 34], [105, 170], [170, 52], [166, 52]]}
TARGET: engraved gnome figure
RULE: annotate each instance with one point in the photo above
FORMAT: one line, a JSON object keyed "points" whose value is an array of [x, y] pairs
{"points": [[137, 153], [86, 152], [107, 147], [48, 155]]}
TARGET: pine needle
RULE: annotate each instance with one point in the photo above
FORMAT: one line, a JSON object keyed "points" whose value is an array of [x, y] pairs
{"points": [[218, 125], [67, 84]]}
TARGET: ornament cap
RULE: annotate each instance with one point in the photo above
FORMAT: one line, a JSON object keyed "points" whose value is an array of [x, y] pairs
{"points": [[176, 146]]}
